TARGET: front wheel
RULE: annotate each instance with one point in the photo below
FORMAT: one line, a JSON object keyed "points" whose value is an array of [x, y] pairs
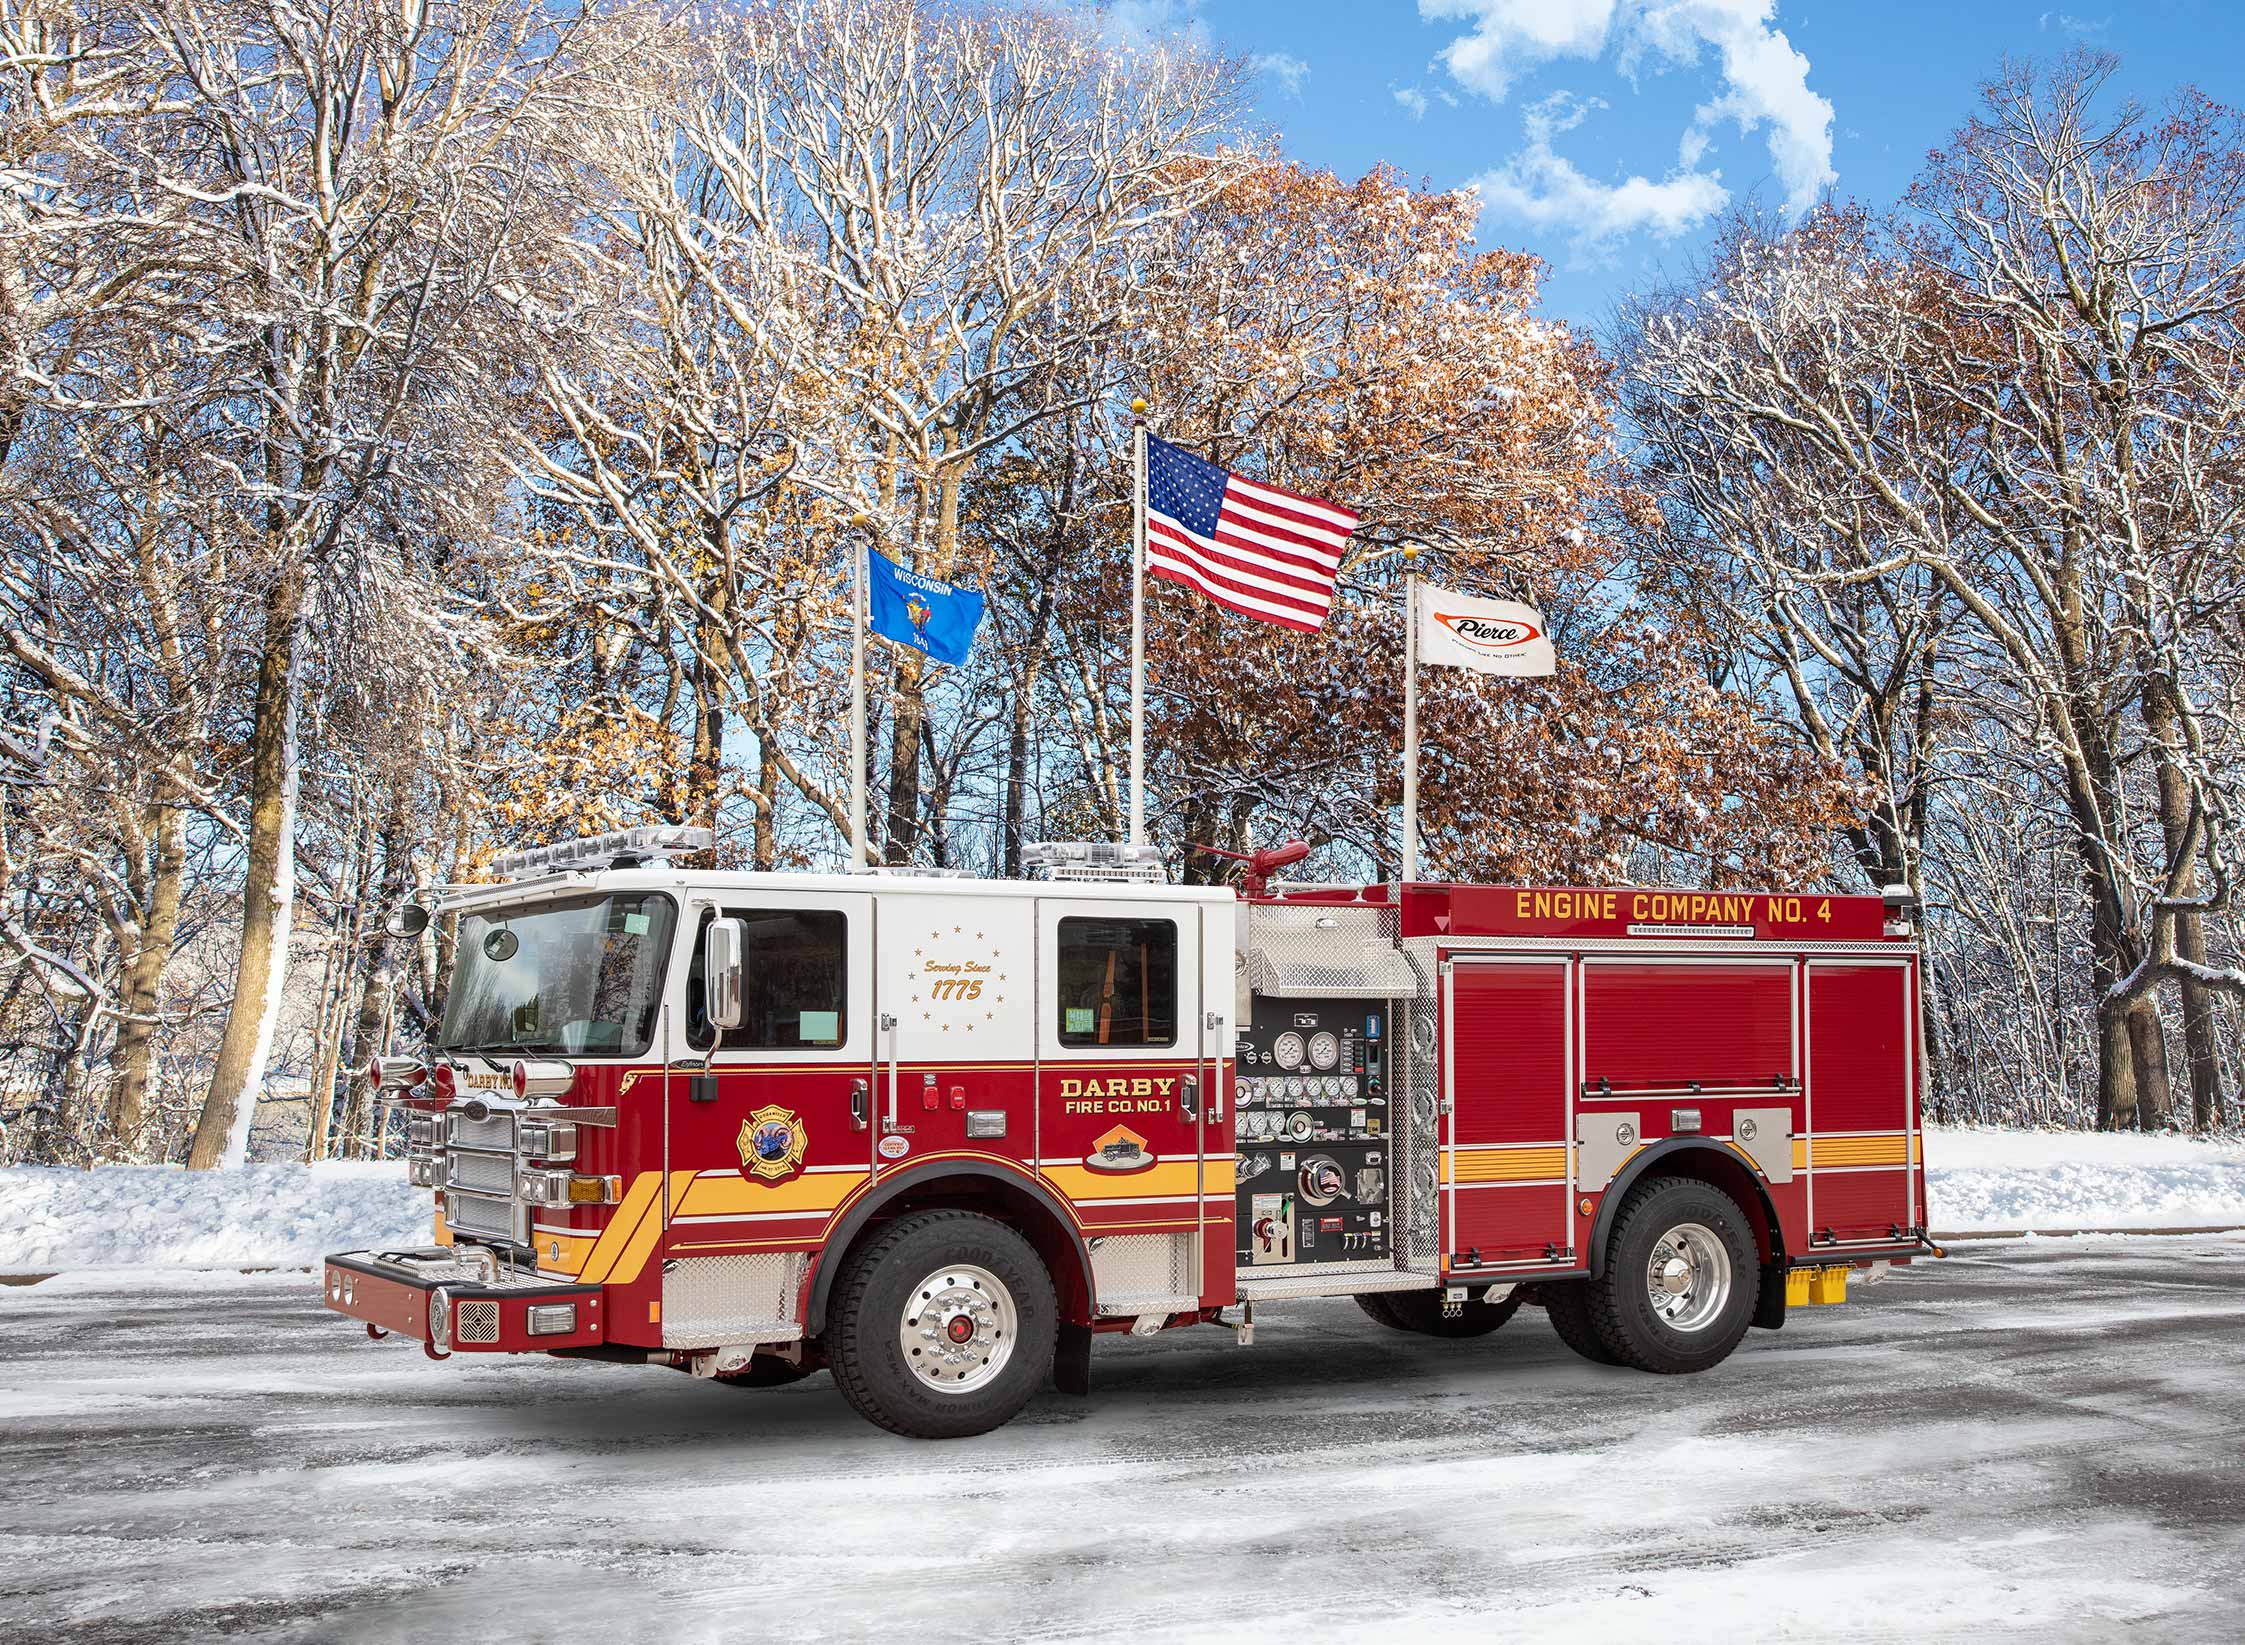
{"points": [[1681, 1278], [942, 1326]]}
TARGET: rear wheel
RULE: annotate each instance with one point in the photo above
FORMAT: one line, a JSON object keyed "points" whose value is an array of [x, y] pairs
{"points": [[1422, 1313], [1681, 1279], [942, 1326], [1567, 1302]]}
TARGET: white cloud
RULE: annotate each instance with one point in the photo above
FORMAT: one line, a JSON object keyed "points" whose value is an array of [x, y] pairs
{"points": [[1541, 187], [1413, 100], [2074, 28], [1764, 79], [1284, 67]]}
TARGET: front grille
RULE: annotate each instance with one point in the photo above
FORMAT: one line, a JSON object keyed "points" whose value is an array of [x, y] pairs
{"points": [[480, 1173], [474, 1214], [494, 1131], [475, 1320]]}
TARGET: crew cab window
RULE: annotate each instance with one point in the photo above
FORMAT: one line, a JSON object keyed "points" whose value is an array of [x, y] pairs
{"points": [[795, 995], [1118, 982]]}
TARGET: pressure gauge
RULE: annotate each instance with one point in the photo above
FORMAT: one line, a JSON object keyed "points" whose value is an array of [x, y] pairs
{"points": [[1296, 1088], [1286, 1051], [1325, 1051]]}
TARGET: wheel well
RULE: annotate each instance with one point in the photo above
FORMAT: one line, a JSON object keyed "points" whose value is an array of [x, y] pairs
{"points": [[1698, 1162], [1000, 1196]]}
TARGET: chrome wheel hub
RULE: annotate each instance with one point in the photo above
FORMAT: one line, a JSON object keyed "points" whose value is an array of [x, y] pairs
{"points": [[958, 1328], [1688, 1281]]}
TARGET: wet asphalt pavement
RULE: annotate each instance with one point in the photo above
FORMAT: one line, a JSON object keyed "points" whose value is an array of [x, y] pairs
{"points": [[2039, 1441]]}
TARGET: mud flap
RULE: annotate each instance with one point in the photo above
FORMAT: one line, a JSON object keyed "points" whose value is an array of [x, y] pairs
{"points": [[1071, 1360], [1769, 1307]]}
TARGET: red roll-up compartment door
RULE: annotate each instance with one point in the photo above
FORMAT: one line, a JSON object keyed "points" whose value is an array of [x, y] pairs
{"points": [[1505, 1169], [1659, 1026], [1862, 1100]]}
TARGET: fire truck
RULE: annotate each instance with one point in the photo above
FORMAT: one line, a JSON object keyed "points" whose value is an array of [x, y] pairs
{"points": [[936, 1134]]}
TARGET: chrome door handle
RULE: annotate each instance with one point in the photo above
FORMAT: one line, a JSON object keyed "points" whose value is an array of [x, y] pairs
{"points": [[1188, 1097], [858, 1095]]}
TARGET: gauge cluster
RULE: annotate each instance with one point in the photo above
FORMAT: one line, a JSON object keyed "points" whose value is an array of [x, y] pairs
{"points": [[1312, 1128]]}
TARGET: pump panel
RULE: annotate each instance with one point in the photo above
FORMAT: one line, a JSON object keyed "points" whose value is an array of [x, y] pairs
{"points": [[1314, 1133]]}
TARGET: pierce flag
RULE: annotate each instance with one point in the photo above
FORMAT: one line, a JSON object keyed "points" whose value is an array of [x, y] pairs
{"points": [[1488, 636]]}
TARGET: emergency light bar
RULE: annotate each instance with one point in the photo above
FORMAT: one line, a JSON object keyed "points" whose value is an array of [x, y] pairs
{"points": [[1093, 860], [623, 848]]}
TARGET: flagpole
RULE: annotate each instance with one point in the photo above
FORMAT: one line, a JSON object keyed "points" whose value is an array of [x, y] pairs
{"points": [[1138, 622], [1410, 712], [863, 537]]}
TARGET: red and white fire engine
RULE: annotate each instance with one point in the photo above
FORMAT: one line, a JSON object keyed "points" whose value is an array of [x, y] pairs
{"points": [[936, 1134]]}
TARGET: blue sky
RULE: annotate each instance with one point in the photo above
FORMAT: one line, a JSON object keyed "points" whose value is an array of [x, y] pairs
{"points": [[1604, 133]]}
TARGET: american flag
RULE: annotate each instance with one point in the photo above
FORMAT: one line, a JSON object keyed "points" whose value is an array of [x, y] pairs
{"points": [[1251, 548]]}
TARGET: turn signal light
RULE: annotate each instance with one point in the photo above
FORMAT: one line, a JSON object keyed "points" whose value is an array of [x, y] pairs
{"points": [[595, 1190]]}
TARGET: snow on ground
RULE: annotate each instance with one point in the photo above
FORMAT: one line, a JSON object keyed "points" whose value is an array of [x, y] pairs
{"points": [[280, 1216], [1987, 1179], [2031, 1443], [259, 1216]]}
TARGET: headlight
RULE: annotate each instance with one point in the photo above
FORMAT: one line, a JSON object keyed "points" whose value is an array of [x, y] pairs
{"points": [[543, 1187], [554, 1140]]}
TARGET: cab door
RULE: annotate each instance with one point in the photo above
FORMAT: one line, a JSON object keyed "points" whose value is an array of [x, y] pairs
{"points": [[1124, 1084], [955, 1076], [769, 1125]]}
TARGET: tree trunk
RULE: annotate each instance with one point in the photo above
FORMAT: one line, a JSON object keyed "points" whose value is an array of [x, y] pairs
{"points": [[2201, 1043], [764, 853], [2147, 1045], [367, 911], [135, 1052], [268, 887]]}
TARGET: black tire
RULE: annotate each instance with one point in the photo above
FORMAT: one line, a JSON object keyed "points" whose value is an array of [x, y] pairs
{"points": [[768, 1371], [1421, 1313], [1567, 1302], [868, 1308], [1376, 1309], [1620, 1299]]}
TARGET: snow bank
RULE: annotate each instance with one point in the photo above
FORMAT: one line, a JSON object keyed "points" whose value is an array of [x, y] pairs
{"points": [[1987, 1179], [257, 1216], [287, 1216]]}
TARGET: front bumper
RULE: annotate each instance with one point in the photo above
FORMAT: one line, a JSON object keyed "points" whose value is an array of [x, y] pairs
{"points": [[394, 1291]]}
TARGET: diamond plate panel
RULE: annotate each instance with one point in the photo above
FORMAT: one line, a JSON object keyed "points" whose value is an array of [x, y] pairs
{"points": [[709, 1301], [1139, 1268], [1324, 951]]}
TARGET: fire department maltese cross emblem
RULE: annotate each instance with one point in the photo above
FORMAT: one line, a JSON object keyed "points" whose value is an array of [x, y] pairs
{"points": [[771, 1143]]}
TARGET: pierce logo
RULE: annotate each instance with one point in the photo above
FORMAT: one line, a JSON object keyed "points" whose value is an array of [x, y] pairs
{"points": [[1484, 634]]}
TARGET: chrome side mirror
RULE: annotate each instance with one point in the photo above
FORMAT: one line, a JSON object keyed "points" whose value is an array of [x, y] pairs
{"points": [[407, 920], [724, 955]]}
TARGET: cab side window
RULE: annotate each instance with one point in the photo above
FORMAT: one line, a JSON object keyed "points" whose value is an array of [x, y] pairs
{"points": [[1117, 982], [796, 991]]}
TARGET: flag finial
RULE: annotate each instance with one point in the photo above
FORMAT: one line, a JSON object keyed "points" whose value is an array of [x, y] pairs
{"points": [[1138, 408], [1410, 552]]}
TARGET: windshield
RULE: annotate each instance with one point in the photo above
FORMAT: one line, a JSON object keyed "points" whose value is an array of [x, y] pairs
{"points": [[575, 978]]}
